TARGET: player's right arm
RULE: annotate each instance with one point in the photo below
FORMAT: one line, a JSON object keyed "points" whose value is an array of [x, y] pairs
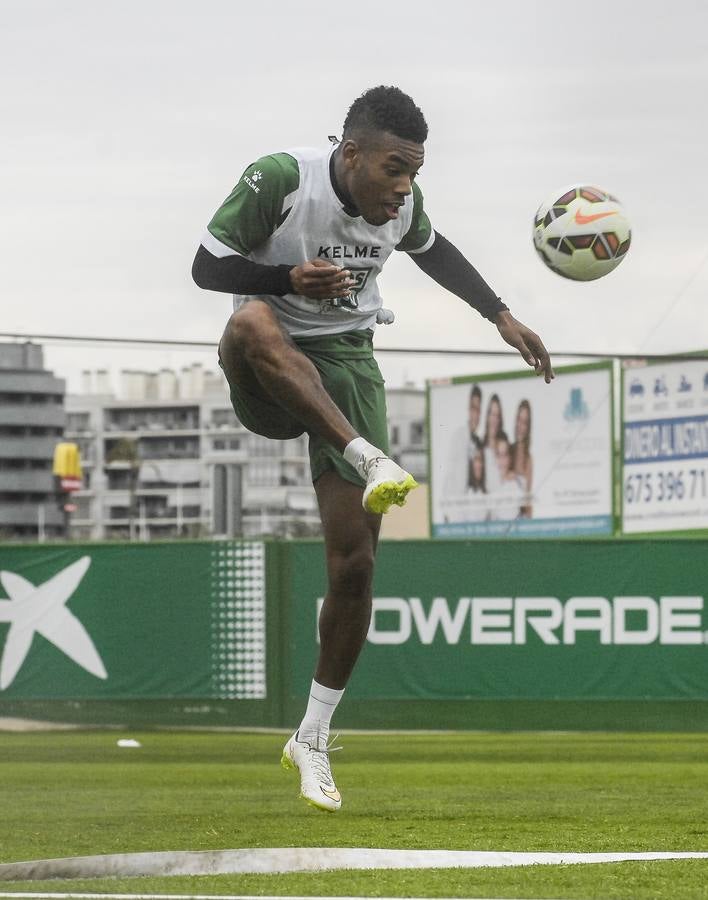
{"points": [[257, 206]]}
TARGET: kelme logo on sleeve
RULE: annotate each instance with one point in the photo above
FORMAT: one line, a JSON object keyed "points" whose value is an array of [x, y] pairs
{"points": [[252, 180], [42, 609]]}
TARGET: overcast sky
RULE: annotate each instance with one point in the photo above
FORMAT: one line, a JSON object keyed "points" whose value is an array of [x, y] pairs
{"points": [[125, 125]]}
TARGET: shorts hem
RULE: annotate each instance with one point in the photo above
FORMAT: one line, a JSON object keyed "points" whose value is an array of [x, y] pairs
{"points": [[328, 465]]}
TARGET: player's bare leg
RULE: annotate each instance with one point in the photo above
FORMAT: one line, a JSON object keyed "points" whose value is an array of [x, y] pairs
{"points": [[351, 536], [255, 345]]}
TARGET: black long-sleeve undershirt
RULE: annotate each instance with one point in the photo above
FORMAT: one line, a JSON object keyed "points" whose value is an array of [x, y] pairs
{"points": [[443, 262], [238, 275]]}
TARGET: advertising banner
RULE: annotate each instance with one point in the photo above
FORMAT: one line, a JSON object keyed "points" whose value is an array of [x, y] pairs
{"points": [[511, 456], [527, 620], [532, 620], [665, 447], [133, 621]]}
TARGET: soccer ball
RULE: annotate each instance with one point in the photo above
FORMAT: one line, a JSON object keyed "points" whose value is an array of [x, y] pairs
{"points": [[581, 233]]}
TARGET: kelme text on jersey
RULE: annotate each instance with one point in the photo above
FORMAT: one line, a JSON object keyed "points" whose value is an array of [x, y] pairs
{"points": [[346, 252]]}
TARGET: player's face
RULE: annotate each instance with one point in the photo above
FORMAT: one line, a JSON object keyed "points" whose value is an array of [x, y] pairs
{"points": [[379, 174]]}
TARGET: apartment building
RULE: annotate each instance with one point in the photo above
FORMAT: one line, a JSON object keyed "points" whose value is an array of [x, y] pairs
{"points": [[165, 456], [32, 420]]}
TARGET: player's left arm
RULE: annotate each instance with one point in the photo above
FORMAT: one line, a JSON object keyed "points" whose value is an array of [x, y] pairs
{"points": [[446, 265]]}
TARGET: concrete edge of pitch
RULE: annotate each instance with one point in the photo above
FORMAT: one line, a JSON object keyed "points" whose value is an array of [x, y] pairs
{"points": [[300, 859]]}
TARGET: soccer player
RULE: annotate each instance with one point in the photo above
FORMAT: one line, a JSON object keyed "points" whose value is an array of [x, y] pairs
{"points": [[300, 242]]}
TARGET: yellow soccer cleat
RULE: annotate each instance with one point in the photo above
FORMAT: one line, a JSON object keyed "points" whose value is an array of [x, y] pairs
{"points": [[387, 484]]}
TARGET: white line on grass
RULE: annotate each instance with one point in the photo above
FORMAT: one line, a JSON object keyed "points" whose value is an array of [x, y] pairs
{"points": [[71, 896], [299, 859]]}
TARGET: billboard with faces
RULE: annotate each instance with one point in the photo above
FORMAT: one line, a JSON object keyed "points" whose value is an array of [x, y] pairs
{"points": [[511, 456]]}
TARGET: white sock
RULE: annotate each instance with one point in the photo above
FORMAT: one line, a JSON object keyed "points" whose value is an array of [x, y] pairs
{"points": [[323, 701], [358, 452]]}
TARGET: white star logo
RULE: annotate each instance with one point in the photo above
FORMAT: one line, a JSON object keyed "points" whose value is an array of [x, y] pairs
{"points": [[42, 609]]}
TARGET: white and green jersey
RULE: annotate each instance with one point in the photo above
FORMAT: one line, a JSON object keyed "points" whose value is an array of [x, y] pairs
{"points": [[284, 211]]}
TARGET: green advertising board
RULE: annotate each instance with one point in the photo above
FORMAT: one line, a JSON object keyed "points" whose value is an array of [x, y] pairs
{"points": [[133, 621], [465, 634], [522, 620]]}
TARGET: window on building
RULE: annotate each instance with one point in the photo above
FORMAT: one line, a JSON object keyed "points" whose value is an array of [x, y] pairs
{"points": [[154, 507], [223, 444], [83, 507], [295, 447], [11, 464], [264, 473], [223, 418], [118, 479], [86, 450], [77, 421], [292, 473], [168, 448], [152, 419], [417, 432], [261, 446], [45, 431], [118, 512]]}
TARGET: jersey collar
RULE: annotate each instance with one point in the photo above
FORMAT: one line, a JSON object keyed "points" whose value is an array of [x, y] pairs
{"points": [[347, 205]]}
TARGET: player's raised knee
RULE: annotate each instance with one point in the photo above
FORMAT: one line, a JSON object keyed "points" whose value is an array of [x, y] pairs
{"points": [[252, 322], [254, 332]]}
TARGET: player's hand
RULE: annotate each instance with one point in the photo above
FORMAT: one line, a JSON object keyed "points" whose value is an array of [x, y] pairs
{"points": [[321, 280], [527, 342]]}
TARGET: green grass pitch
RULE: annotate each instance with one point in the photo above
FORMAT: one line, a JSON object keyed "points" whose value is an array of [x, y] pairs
{"points": [[78, 793]]}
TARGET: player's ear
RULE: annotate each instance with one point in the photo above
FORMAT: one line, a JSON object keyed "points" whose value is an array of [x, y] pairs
{"points": [[350, 152]]}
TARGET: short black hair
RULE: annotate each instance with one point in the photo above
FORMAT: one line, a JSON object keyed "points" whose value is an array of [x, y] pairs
{"points": [[386, 109]]}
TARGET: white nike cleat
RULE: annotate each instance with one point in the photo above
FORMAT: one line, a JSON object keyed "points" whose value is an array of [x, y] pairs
{"points": [[316, 782], [386, 484]]}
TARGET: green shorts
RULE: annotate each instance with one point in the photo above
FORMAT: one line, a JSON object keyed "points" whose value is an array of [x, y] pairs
{"points": [[351, 377]]}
